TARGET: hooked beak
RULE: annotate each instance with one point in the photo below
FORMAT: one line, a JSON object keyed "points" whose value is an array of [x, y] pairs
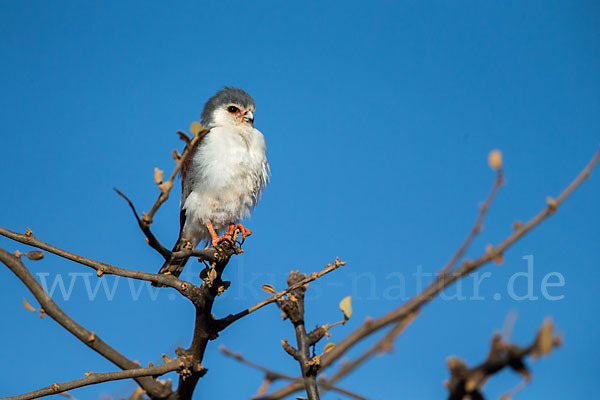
{"points": [[249, 117]]}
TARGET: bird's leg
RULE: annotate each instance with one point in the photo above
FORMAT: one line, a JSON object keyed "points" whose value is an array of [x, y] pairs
{"points": [[213, 234]]}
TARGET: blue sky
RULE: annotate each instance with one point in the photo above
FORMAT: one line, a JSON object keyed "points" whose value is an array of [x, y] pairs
{"points": [[378, 118]]}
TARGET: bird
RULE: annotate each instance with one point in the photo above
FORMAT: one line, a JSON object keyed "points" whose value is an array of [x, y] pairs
{"points": [[222, 177]]}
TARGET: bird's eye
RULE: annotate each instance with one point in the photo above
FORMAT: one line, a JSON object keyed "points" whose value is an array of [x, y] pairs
{"points": [[233, 109]]}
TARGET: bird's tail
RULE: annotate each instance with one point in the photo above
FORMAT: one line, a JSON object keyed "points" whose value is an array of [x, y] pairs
{"points": [[173, 267]]}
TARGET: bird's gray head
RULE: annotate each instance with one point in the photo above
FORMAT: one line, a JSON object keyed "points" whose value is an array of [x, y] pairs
{"points": [[230, 106]]}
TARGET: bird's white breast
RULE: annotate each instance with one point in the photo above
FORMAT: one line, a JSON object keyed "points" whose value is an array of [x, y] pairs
{"points": [[228, 172]]}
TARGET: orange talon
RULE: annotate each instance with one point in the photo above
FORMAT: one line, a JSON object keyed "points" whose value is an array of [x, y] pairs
{"points": [[245, 231], [229, 234]]}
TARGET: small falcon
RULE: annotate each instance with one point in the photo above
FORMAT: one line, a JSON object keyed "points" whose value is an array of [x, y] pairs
{"points": [[223, 176]]}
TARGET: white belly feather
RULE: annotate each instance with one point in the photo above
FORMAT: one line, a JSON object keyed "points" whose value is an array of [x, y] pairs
{"points": [[228, 173]]}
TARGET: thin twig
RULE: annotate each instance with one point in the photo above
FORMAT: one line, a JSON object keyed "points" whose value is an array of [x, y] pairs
{"points": [[145, 227], [442, 281], [208, 254], [225, 322], [95, 378], [477, 227]]}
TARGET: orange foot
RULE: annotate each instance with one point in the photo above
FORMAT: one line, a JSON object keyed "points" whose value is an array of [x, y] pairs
{"points": [[239, 227], [227, 235]]}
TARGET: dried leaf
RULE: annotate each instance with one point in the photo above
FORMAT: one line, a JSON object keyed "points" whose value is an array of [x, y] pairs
{"points": [[195, 127], [544, 341], [176, 156], [158, 175], [28, 306], [495, 160], [264, 387], [269, 288], [328, 348], [346, 306], [212, 275]]}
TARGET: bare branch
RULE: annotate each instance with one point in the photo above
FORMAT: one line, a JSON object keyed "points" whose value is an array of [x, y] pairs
{"points": [[145, 227], [225, 322], [208, 254], [93, 378], [152, 387], [293, 308], [205, 328], [443, 281]]}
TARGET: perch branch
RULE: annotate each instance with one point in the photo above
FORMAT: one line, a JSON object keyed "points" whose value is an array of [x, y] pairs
{"points": [[205, 328]]}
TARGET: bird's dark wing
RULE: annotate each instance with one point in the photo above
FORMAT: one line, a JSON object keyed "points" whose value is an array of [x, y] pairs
{"points": [[171, 266], [187, 178]]}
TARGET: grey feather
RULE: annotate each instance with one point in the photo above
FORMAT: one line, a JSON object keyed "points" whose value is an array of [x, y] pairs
{"points": [[228, 95]]}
